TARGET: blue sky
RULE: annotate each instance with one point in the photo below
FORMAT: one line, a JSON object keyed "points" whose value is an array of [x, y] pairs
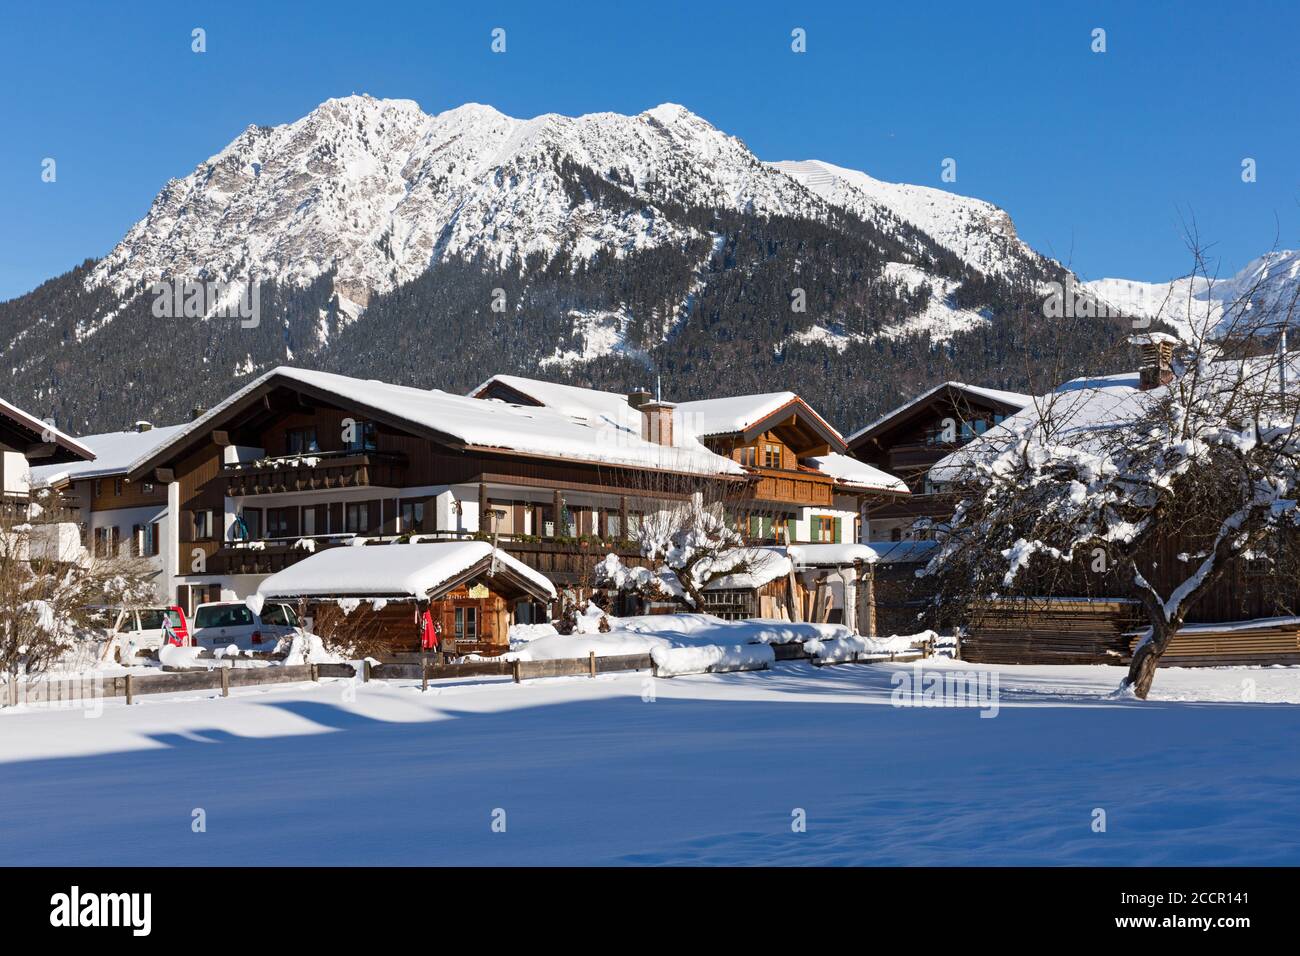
{"points": [[1101, 159]]}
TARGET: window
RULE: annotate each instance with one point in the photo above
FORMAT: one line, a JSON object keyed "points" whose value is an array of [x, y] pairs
{"points": [[412, 513], [362, 437], [101, 542], [279, 614], [153, 535], [97, 487], [300, 441], [202, 525], [252, 522], [277, 523], [308, 521], [771, 455], [467, 624], [117, 487], [747, 456], [223, 615], [356, 517], [151, 618], [824, 529], [614, 525], [146, 487], [731, 605]]}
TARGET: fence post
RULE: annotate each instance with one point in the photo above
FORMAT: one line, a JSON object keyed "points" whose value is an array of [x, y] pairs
{"points": [[424, 673], [514, 667], [225, 681], [365, 671], [592, 663], [315, 672], [129, 690]]}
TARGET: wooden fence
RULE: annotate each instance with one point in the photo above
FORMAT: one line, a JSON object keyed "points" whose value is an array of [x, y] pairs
{"points": [[55, 690]]}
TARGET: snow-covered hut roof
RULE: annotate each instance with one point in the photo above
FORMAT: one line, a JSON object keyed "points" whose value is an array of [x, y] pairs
{"points": [[830, 555], [400, 571], [114, 454], [21, 429]]}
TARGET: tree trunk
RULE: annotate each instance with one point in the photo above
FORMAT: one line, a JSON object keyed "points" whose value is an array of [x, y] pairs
{"points": [[1142, 669]]}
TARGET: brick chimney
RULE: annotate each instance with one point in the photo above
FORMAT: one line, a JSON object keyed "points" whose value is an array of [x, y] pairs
{"points": [[638, 398], [1157, 350], [657, 422]]}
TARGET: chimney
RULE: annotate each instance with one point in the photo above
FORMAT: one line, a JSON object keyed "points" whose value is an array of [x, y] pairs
{"points": [[143, 426], [657, 422], [198, 411], [638, 398], [1157, 366]]}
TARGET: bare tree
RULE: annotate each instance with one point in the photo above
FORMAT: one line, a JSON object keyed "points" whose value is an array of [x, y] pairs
{"points": [[1097, 477], [50, 584]]}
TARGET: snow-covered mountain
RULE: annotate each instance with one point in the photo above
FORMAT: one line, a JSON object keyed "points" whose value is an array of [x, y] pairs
{"points": [[1266, 285], [980, 233], [377, 191]]}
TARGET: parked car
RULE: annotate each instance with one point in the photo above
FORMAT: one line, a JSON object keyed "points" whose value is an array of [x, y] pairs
{"points": [[145, 628], [222, 623]]}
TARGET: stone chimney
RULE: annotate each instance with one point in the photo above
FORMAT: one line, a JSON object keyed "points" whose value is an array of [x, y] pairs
{"points": [[197, 412], [657, 422], [1157, 350]]}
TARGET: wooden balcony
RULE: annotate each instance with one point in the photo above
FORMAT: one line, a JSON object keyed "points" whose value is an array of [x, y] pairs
{"points": [[270, 555], [565, 562], [316, 472]]}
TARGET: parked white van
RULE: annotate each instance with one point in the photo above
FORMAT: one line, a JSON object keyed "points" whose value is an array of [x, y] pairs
{"points": [[222, 623]]}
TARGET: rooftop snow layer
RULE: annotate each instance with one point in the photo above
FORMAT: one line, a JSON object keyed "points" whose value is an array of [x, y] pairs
{"points": [[993, 394], [388, 570], [850, 471], [114, 453], [493, 425], [610, 408]]}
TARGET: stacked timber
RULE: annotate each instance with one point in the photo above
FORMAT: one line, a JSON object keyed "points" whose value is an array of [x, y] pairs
{"points": [[1050, 630], [1264, 641]]}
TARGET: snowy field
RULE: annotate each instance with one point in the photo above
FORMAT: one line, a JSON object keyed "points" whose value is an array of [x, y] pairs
{"points": [[710, 771]]}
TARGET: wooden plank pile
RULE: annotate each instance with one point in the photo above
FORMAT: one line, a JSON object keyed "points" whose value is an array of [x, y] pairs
{"points": [[1046, 630], [1265, 641]]}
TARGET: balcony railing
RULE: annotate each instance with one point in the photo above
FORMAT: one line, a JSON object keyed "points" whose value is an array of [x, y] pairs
{"points": [[315, 472]]}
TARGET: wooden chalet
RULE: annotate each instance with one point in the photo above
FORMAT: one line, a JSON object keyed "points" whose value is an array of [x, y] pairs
{"points": [[27, 441], [300, 462], [908, 440]]}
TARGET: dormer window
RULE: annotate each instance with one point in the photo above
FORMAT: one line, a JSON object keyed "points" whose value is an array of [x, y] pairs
{"points": [[771, 455]]}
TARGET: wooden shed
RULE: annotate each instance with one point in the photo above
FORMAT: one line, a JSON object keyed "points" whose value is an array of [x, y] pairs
{"points": [[474, 590]]}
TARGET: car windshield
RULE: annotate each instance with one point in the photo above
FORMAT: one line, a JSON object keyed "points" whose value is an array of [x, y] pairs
{"points": [[223, 615], [279, 614]]}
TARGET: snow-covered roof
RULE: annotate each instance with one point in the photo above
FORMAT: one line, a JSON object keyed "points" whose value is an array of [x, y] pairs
{"points": [[609, 408], [765, 566], [992, 394], [738, 413], [392, 570], [115, 452], [815, 555], [1080, 406], [856, 474], [474, 423], [45, 432]]}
